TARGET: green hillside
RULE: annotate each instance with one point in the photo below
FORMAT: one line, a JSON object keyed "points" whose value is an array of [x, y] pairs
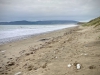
{"points": [[95, 22]]}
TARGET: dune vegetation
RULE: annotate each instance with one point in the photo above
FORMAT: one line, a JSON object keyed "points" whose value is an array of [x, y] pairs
{"points": [[95, 22]]}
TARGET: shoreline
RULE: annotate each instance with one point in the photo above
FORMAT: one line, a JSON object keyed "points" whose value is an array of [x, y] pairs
{"points": [[22, 46], [31, 36], [57, 53], [18, 38]]}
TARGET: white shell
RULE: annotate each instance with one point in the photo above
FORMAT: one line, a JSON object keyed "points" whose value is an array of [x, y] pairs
{"points": [[78, 66], [69, 65]]}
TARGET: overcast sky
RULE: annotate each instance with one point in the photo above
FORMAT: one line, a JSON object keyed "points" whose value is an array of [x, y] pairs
{"points": [[32, 10]]}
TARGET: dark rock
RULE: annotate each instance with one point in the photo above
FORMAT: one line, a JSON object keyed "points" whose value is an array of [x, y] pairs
{"points": [[27, 54], [92, 67], [11, 63]]}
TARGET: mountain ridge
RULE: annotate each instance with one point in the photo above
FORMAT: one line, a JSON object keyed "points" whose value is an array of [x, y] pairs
{"points": [[24, 22]]}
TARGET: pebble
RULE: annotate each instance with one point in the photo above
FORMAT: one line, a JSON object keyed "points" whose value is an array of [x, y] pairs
{"points": [[69, 65], [56, 57], [85, 54], [18, 73], [78, 66], [3, 51]]}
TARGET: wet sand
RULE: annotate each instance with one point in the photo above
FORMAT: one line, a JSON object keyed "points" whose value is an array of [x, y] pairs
{"points": [[70, 51]]}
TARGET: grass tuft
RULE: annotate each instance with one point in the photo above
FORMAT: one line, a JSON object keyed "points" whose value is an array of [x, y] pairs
{"points": [[95, 22]]}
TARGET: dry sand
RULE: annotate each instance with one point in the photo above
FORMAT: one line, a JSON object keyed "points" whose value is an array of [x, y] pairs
{"points": [[71, 51]]}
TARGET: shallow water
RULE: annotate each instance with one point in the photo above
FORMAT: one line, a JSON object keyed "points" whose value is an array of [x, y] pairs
{"points": [[14, 32]]}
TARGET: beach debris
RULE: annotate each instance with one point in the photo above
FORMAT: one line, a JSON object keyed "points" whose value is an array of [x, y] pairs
{"points": [[56, 57], [44, 39], [31, 52], [22, 52], [85, 54], [69, 65], [11, 63], [3, 51], [78, 66], [92, 67], [44, 65], [54, 52], [10, 58], [82, 54], [30, 67], [18, 73], [0, 67], [27, 54]]}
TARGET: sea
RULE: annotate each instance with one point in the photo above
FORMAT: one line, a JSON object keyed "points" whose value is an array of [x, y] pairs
{"points": [[9, 33]]}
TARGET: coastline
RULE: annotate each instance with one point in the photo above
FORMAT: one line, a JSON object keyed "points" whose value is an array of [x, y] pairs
{"points": [[17, 33], [51, 52]]}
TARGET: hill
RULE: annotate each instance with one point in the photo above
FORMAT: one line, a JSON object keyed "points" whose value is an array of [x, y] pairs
{"points": [[39, 22]]}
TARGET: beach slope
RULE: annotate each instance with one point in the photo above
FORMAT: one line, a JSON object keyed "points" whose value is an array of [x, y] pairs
{"points": [[70, 51]]}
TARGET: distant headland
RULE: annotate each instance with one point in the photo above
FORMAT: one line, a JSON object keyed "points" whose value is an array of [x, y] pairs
{"points": [[49, 22]]}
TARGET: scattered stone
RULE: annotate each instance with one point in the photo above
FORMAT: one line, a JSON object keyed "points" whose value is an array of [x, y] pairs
{"points": [[85, 54], [6, 73], [56, 57], [10, 58], [2, 73], [11, 63], [44, 65], [31, 52], [5, 56], [35, 68], [3, 51], [0, 67], [78, 66], [75, 64], [92, 67], [44, 39], [30, 68], [22, 52], [82, 54], [27, 54], [18, 73], [69, 65]]}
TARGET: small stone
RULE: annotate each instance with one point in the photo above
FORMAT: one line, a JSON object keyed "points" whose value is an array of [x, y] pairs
{"points": [[31, 53], [11, 63], [92, 67], [30, 68], [56, 57], [18, 73], [85, 54], [44, 65], [69, 65], [3, 51], [78, 66], [0, 67], [27, 54], [10, 58]]}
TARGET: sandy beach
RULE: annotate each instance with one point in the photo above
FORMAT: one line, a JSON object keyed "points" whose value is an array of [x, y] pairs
{"points": [[70, 51]]}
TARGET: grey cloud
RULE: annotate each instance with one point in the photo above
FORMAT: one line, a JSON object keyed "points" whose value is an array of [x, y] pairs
{"points": [[45, 9]]}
